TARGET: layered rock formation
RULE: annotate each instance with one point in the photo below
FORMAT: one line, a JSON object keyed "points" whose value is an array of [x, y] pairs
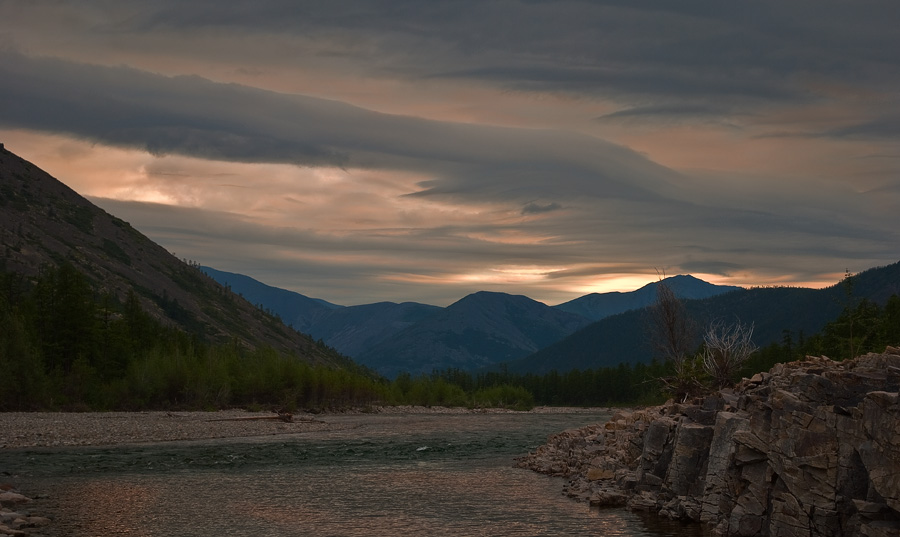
{"points": [[810, 448]]}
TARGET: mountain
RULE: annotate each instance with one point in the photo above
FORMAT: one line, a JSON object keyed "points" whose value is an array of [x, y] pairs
{"points": [[45, 223], [596, 306], [351, 330], [479, 330], [623, 338], [354, 330], [295, 310]]}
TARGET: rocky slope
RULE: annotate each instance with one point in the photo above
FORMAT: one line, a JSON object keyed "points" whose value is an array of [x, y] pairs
{"points": [[45, 223], [810, 448]]}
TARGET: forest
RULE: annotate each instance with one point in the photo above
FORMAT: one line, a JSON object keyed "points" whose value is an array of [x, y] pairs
{"points": [[64, 346]]}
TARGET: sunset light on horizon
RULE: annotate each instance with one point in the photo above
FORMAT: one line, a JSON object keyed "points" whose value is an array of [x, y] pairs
{"points": [[360, 152]]}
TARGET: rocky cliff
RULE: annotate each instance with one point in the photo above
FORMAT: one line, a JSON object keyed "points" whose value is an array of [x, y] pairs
{"points": [[810, 448]]}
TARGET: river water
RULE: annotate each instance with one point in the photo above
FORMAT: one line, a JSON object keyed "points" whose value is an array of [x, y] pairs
{"points": [[373, 475]]}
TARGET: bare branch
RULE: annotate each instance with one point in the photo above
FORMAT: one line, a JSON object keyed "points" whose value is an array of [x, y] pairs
{"points": [[726, 349], [672, 332]]}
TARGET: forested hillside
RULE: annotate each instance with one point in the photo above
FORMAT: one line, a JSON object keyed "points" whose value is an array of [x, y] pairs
{"points": [[44, 223], [775, 313], [96, 315], [479, 330], [66, 345]]}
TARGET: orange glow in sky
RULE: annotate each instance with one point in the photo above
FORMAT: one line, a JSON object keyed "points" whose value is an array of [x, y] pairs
{"points": [[421, 156]]}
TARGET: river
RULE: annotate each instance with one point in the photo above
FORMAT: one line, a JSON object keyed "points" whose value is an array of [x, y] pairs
{"points": [[373, 475]]}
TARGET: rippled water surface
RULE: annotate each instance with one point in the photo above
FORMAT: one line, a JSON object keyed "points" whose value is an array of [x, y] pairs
{"points": [[378, 475]]}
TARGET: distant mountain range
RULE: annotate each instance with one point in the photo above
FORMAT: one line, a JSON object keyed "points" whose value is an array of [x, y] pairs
{"points": [[596, 306], [486, 330], [294, 309], [775, 312], [481, 330], [45, 223]]}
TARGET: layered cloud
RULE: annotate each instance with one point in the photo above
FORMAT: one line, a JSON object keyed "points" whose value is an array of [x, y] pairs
{"points": [[421, 151]]}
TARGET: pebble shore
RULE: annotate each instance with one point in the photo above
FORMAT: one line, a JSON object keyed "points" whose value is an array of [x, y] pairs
{"points": [[15, 518], [56, 429]]}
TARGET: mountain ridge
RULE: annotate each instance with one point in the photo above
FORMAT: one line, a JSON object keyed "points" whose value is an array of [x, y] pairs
{"points": [[481, 329], [294, 309], [45, 223], [775, 312], [596, 306]]}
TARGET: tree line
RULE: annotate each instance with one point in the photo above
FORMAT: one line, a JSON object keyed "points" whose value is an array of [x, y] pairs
{"points": [[727, 351], [862, 327], [65, 346]]}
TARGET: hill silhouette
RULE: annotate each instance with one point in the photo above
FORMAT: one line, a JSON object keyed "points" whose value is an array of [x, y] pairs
{"points": [[479, 330], [775, 312], [44, 223], [596, 306]]}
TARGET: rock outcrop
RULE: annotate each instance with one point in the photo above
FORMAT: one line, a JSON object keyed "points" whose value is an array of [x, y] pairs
{"points": [[810, 448]]}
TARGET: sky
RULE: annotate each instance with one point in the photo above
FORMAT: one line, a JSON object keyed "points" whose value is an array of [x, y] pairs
{"points": [[374, 150]]}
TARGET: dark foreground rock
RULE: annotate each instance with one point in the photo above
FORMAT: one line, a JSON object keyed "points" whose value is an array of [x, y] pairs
{"points": [[810, 448], [15, 518]]}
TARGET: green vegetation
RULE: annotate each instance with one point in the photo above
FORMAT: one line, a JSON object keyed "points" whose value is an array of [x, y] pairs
{"points": [[861, 328], [727, 351], [65, 346], [613, 386]]}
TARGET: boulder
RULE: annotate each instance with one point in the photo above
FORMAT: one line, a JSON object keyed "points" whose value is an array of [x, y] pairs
{"points": [[9, 499]]}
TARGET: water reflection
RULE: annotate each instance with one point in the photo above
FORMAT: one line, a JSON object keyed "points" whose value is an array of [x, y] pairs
{"points": [[373, 480], [108, 507]]}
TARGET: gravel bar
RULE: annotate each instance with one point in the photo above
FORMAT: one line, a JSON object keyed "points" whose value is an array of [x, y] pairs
{"points": [[49, 429], [41, 429]]}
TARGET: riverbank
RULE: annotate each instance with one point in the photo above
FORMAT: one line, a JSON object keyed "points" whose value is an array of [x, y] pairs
{"points": [[809, 448], [91, 498], [56, 429], [15, 518]]}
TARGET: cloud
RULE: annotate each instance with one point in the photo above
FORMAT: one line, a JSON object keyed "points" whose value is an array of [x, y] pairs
{"points": [[537, 208], [885, 127], [422, 150], [693, 54], [722, 268], [652, 53], [690, 113], [196, 117]]}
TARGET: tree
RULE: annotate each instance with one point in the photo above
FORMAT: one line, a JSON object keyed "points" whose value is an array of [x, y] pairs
{"points": [[65, 311], [891, 321], [725, 350], [673, 335]]}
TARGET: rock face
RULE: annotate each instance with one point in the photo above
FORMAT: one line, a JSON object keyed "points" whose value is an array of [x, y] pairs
{"points": [[810, 448]]}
